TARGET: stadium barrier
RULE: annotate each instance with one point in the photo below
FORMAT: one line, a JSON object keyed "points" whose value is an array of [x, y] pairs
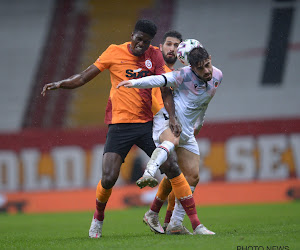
{"points": [[62, 165], [218, 193]]}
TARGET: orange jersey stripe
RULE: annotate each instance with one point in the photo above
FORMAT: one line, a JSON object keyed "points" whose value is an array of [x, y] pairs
{"points": [[157, 101], [129, 105]]}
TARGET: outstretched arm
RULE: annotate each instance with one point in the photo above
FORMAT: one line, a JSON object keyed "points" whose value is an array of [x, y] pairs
{"points": [[164, 81], [150, 82], [74, 81]]}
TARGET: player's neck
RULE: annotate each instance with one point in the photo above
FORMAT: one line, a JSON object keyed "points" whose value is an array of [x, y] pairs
{"points": [[170, 66], [200, 78]]}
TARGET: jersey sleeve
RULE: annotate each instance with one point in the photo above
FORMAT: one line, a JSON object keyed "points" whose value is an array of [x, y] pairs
{"points": [[218, 74], [104, 60], [165, 80], [221, 76]]}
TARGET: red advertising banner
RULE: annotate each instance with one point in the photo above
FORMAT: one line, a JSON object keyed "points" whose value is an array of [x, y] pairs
{"points": [[53, 163], [217, 193]]}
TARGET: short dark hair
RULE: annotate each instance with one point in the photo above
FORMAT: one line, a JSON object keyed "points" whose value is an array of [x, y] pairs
{"points": [[172, 33], [146, 26], [197, 55]]}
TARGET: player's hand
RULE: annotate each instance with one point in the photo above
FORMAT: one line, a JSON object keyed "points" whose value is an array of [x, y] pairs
{"points": [[126, 84], [175, 127], [50, 86]]}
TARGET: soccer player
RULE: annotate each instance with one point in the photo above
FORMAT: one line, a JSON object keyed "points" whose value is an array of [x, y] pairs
{"points": [[168, 48], [129, 116], [194, 86]]}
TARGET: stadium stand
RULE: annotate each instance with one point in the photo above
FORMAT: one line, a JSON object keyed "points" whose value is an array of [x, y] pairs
{"points": [[54, 47], [60, 59], [239, 45], [24, 26]]}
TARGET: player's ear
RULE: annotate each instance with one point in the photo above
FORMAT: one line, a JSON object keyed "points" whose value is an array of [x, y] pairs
{"points": [[160, 47]]}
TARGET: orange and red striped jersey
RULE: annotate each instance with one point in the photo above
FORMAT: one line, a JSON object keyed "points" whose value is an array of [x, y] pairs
{"points": [[129, 105]]}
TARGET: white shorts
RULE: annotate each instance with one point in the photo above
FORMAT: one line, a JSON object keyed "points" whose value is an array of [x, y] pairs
{"points": [[161, 123]]}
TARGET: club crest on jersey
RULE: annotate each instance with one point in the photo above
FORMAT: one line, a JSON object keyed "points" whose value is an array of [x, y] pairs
{"points": [[148, 64], [216, 82]]}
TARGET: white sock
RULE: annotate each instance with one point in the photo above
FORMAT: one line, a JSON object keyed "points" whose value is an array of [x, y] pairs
{"points": [[178, 212], [158, 157]]}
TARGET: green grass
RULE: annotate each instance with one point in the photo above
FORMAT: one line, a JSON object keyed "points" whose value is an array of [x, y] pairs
{"points": [[271, 225]]}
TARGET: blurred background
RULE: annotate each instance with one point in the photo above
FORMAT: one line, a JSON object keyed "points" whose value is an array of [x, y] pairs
{"points": [[51, 147]]}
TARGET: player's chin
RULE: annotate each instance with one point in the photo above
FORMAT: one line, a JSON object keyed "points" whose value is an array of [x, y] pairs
{"points": [[208, 78], [170, 59], [138, 52]]}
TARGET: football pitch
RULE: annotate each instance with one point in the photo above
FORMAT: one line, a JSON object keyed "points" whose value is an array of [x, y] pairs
{"points": [[268, 226]]}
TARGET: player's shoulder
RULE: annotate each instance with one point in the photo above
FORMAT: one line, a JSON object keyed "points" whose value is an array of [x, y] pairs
{"points": [[167, 69], [117, 46], [185, 70], [153, 50], [217, 72], [155, 56], [182, 72]]}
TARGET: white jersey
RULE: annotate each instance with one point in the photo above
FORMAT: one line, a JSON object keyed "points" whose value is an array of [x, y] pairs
{"points": [[191, 95]]}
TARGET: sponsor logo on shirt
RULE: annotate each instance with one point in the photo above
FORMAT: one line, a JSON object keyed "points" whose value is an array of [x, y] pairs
{"points": [[136, 73], [199, 85]]}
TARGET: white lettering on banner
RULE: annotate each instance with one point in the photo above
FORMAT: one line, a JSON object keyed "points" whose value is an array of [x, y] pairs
{"points": [[9, 164], [239, 155], [30, 159], [246, 158], [96, 167], [32, 179], [69, 160], [271, 148], [204, 148], [295, 144]]}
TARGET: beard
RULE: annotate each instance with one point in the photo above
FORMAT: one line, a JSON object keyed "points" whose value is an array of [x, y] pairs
{"points": [[208, 78], [170, 60]]}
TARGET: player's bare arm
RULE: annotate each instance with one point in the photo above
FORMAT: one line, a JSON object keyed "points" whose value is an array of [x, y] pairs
{"points": [[74, 81], [126, 84]]}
